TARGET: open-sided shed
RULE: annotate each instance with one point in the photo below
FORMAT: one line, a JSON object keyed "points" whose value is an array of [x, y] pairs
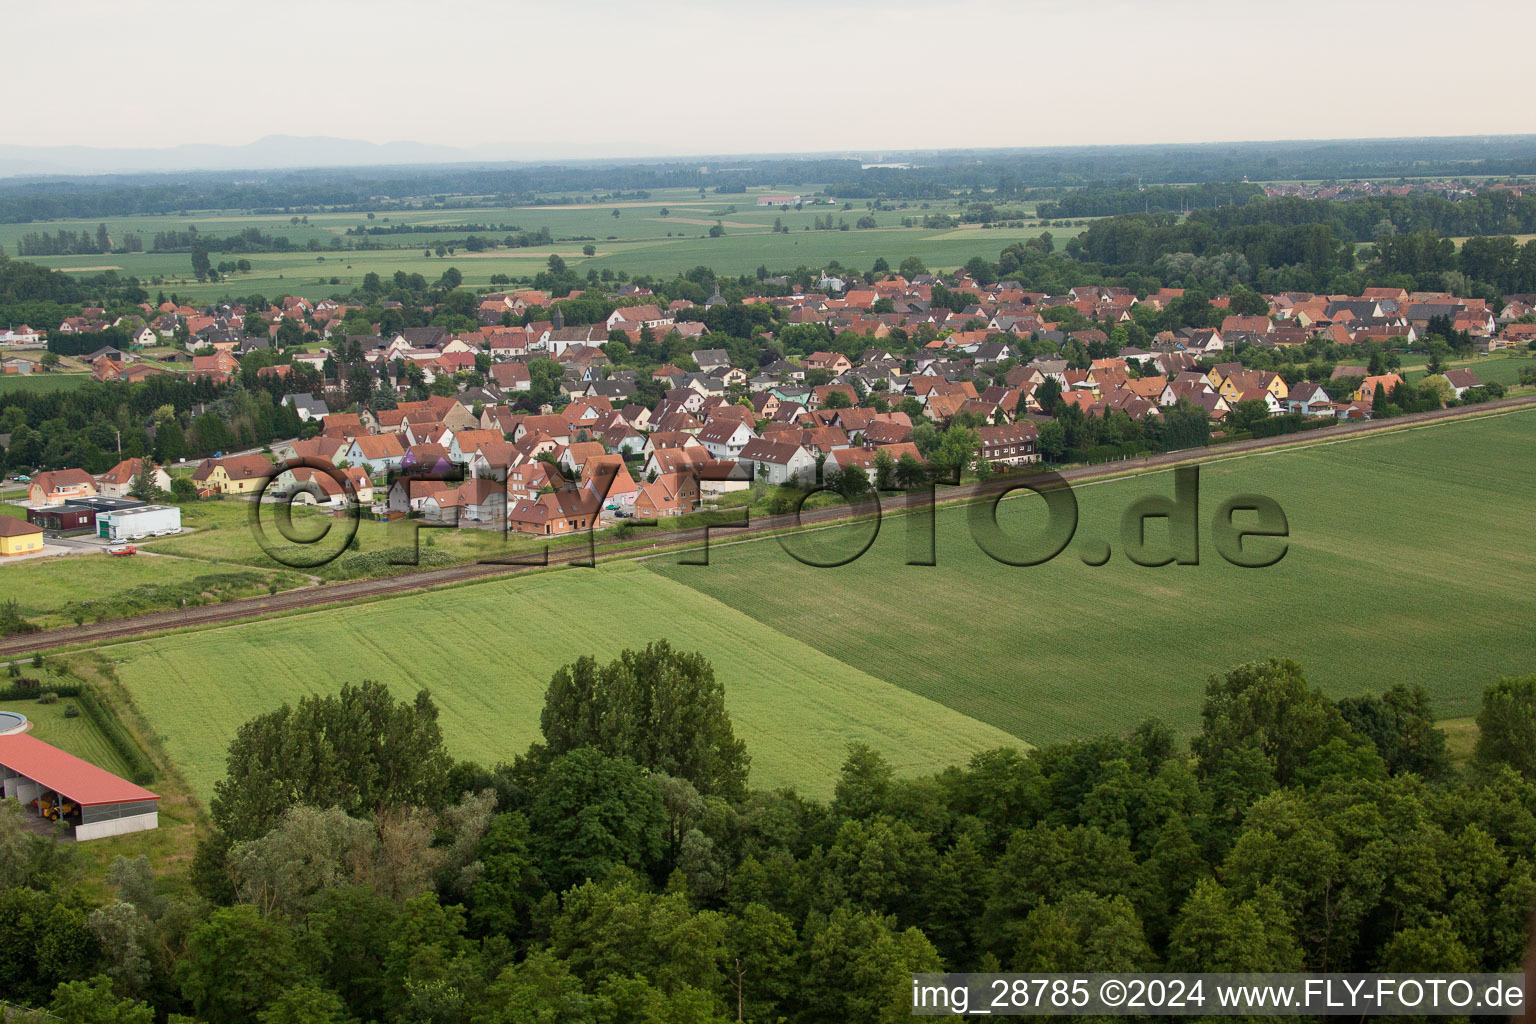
{"points": [[54, 783]]}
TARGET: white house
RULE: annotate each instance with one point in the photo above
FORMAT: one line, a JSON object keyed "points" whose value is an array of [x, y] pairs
{"points": [[779, 463], [724, 439]]}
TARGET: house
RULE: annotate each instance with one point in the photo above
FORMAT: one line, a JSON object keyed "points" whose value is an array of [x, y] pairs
{"points": [[307, 406], [118, 481], [1365, 394], [711, 359], [1310, 400], [725, 438], [833, 362], [1011, 444], [556, 513], [671, 494], [1461, 380], [219, 367], [482, 500], [234, 474], [381, 453], [60, 485], [19, 537], [779, 463], [721, 477]]}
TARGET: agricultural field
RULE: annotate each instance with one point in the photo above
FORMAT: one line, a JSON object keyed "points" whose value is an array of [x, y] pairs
{"points": [[487, 652], [39, 382], [640, 240], [1499, 368], [77, 735], [50, 592], [1406, 562]]}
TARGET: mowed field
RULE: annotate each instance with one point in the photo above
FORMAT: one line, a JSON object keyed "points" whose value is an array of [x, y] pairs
{"points": [[49, 591], [77, 735], [640, 240], [1411, 559], [487, 652]]}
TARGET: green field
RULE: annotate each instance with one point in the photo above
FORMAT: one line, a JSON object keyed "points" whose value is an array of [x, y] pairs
{"points": [[51, 590], [13, 382], [640, 241], [487, 653], [1500, 368], [77, 735], [1409, 561]]}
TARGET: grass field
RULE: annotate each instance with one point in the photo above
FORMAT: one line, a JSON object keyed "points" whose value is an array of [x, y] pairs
{"points": [[1409, 560], [639, 240], [1500, 368], [15, 382], [50, 590], [77, 735], [487, 653]]}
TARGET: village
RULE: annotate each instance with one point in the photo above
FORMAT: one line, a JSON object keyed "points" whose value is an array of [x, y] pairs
{"points": [[1008, 365]]}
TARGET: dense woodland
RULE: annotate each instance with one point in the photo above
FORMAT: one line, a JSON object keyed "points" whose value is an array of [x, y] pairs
{"points": [[624, 870]]}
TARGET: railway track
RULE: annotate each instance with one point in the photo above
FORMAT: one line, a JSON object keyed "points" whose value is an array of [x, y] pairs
{"points": [[369, 589]]}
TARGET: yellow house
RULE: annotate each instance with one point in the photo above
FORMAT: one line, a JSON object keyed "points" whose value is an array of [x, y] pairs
{"points": [[237, 474], [1236, 383], [19, 537]]}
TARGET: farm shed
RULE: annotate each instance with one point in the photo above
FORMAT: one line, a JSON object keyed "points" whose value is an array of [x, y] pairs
{"points": [[50, 782]]}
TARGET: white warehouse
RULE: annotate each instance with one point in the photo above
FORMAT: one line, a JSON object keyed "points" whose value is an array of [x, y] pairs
{"points": [[138, 523]]}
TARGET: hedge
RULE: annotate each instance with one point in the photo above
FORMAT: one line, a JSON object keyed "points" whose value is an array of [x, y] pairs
{"points": [[140, 771]]}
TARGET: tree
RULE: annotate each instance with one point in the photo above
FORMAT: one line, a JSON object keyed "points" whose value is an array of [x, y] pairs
{"points": [[305, 1004], [508, 884], [589, 249], [358, 750], [1506, 726], [594, 814], [183, 489], [1401, 724], [49, 360], [662, 709], [94, 1002], [238, 963], [1268, 708]]}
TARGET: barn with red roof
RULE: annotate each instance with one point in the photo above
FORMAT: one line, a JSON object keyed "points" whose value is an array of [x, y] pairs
{"points": [[56, 784]]}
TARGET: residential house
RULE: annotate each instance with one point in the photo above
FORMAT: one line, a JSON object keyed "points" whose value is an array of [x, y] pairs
{"points": [[779, 463], [118, 481], [60, 485]]}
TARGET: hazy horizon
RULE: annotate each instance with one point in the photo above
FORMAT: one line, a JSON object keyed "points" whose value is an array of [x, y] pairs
{"points": [[681, 78]]}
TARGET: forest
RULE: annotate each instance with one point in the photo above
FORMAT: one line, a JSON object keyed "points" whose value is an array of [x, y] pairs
{"points": [[625, 870]]}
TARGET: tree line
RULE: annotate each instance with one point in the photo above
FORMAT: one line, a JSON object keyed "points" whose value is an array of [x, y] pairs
{"points": [[624, 870]]}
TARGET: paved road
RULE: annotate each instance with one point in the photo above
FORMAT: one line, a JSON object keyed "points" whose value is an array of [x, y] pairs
{"points": [[338, 593]]}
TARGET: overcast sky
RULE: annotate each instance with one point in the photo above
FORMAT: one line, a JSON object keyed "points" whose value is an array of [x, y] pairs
{"points": [[617, 79]]}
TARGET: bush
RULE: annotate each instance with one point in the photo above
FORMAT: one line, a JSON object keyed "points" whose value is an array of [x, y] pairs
{"points": [[71, 711], [48, 698]]}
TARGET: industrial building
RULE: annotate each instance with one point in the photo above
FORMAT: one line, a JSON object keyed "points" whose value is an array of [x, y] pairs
{"points": [[54, 784], [78, 515], [138, 523]]}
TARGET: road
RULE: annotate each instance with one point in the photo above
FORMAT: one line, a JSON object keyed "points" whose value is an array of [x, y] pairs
{"points": [[355, 590]]}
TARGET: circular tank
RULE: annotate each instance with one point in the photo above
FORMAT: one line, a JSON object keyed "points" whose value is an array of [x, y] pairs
{"points": [[12, 722]]}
